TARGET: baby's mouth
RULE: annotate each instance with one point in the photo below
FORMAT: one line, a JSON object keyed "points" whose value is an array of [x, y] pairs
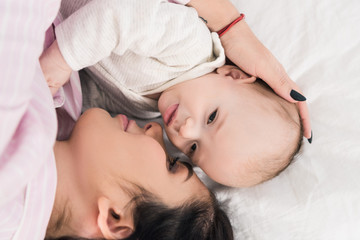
{"points": [[170, 114]]}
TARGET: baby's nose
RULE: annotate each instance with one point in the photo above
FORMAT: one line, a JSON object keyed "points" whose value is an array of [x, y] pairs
{"points": [[187, 129]]}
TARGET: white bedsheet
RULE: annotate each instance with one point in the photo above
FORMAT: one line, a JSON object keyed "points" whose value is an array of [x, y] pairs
{"points": [[318, 196]]}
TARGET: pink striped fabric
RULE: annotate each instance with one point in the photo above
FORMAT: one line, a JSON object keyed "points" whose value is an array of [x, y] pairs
{"points": [[68, 99], [27, 121]]}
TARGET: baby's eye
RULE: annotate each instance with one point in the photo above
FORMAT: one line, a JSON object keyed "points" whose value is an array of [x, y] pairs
{"points": [[192, 148], [212, 117]]}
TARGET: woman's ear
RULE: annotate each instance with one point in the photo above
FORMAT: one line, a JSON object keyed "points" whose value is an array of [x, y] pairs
{"points": [[114, 222], [235, 73]]}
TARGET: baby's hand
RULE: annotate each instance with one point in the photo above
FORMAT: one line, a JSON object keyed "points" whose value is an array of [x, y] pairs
{"points": [[248, 53], [56, 71]]}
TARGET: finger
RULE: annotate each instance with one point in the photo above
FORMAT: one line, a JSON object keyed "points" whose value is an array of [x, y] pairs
{"points": [[282, 86], [304, 113], [288, 90], [273, 73], [305, 119]]}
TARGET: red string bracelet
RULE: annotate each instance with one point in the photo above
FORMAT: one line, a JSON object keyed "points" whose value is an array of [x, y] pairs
{"points": [[227, 28]]}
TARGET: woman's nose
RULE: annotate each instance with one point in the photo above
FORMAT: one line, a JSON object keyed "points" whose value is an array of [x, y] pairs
{"points": [[155, 131], [188, 129]]}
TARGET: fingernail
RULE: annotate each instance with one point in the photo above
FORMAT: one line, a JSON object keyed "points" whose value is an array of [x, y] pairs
{"points": [[310, 139], [297, 96]]}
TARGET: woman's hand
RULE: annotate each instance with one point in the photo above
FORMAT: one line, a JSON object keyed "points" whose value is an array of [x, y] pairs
{"points": [[248, 53], [56, 71]]}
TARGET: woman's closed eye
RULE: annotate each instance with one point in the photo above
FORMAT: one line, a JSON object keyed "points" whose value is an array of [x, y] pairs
{"points": [[173, 165], [212, 117]]}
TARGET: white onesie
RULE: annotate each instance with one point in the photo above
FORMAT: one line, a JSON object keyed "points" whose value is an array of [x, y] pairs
{"points": [[133, 48]]}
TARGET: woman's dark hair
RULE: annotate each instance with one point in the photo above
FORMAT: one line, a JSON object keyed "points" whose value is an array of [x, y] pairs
{"points": [[198, 219], [194, 220]]}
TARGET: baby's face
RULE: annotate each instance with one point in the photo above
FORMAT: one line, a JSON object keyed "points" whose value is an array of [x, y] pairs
{"points": [[227, 126]]}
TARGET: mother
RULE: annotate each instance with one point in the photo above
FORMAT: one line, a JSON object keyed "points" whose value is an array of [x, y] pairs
{"points": [[96, 184], [115, 181]]}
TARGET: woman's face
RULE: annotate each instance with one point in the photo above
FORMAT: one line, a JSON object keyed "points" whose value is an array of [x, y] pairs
{"points": [[117, 150]]}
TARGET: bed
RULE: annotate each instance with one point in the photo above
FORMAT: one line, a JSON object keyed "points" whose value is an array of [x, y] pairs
{"points": [[318, 196]]}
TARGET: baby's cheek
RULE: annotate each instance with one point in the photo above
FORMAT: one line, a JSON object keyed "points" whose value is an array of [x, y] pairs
{"points": [[173, 138]]}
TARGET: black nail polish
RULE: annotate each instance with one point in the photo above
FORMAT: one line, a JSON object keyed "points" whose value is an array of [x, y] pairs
{"points": [[297, 96], [310, 139]]}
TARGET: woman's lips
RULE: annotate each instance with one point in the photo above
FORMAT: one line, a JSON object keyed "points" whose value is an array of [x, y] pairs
{"points": [[125, 121], [170, 114]]}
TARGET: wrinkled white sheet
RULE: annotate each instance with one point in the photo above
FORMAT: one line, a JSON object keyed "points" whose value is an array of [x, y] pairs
{"points": [[318, 196]]}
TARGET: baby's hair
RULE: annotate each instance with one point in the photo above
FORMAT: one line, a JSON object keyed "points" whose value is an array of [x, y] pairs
{"points": [[289, 159], [277, 164]]}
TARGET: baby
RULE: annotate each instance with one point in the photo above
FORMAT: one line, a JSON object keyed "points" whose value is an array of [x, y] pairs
{"points": [[150, 56], [233, 127]]}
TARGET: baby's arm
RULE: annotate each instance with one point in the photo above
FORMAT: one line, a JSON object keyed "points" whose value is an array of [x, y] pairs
{"points": [[85, 39], [55, 69], [169, 32], [244, 49]]}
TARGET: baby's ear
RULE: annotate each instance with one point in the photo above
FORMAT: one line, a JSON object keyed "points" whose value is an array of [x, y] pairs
{"points": [[235, 73], [114, 222]]}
